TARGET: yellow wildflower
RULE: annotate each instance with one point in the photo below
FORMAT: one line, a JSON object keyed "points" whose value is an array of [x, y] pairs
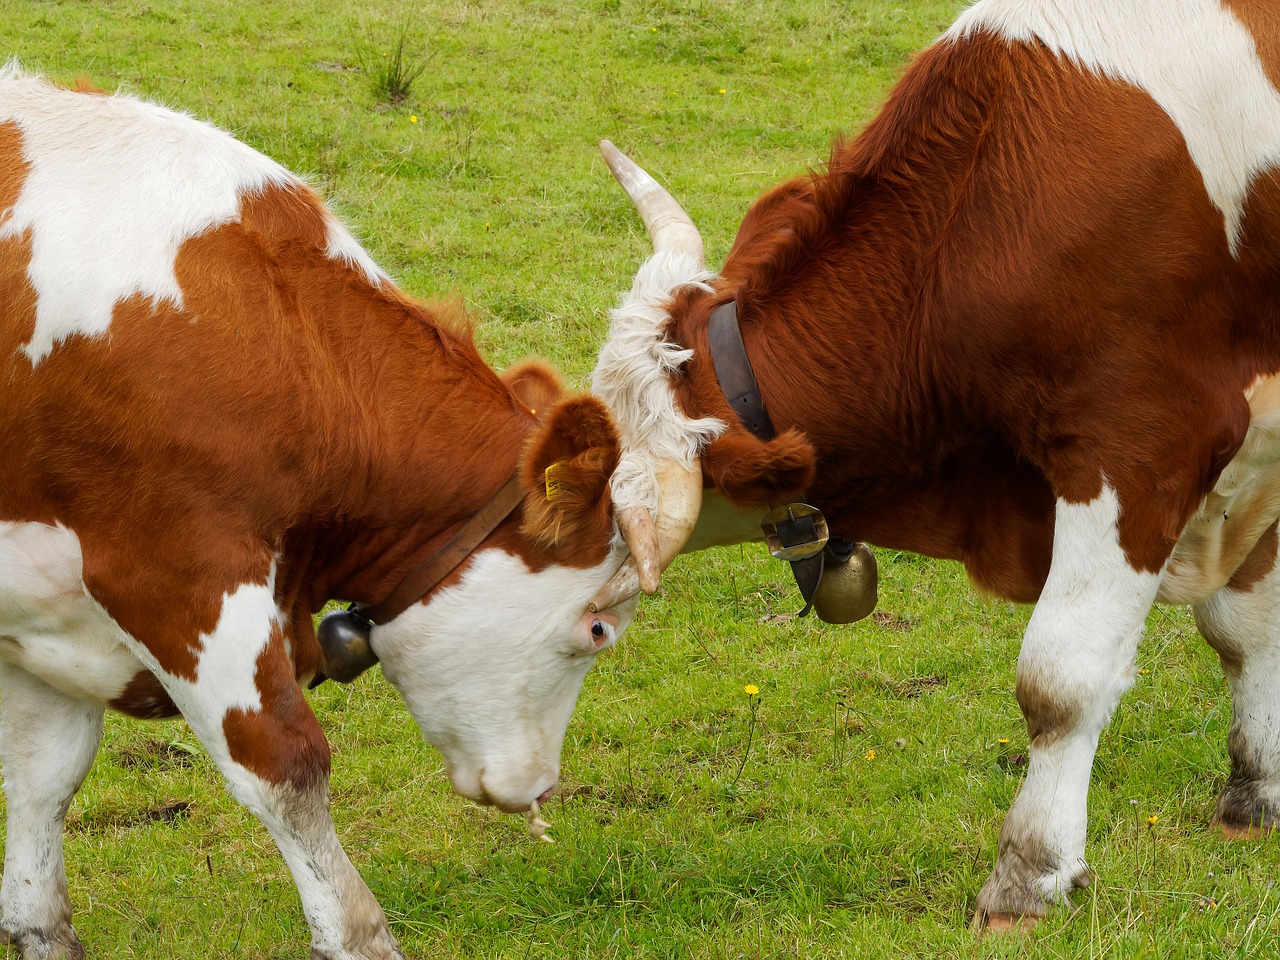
{"points": [[870, 755], [751, 689], [1151, 820], [413, 118]]}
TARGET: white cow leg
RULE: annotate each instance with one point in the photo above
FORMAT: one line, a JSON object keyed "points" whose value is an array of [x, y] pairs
{"points": [[256, 725], [1242, 623], [276, 762], [47, 744], [1077, 659], [346, 920]]}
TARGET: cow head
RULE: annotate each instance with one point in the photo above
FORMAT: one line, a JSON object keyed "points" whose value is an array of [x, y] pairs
{"points": [[491, 661], [678, 428]]}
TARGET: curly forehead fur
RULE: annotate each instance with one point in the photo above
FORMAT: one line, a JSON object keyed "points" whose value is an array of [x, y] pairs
{"points": [[634, 374]]}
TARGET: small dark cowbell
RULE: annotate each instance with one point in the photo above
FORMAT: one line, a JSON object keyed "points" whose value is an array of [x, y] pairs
{"points": [[848, 588], [345, 651]]}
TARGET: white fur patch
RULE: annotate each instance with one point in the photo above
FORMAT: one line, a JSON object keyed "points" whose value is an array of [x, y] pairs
{"points": [[47, 742], [633, 376], [226, 670], [54, 629], [115, 187], [49, 625], [491, 668], [1193, 57]]}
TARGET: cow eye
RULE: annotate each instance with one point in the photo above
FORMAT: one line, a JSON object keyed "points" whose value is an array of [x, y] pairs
{"points": [[597, 629]]}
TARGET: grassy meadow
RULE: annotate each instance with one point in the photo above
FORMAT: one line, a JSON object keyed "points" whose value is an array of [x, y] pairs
{"points": [[850, 808]]}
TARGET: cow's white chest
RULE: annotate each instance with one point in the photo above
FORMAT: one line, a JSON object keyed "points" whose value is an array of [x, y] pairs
{"points": [[1193, 57], [49, 624]]}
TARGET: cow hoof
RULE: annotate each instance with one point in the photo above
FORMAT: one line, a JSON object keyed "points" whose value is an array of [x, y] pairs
{"points": [[1004, 923], [33, 945], [1021, 890], [381, 951], [1244, 811]]}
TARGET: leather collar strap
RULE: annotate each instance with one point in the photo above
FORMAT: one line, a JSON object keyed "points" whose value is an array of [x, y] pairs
{"points": [[733, 370], [445, 560]]}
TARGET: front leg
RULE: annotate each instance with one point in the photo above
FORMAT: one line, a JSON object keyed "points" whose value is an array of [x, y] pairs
{"points": [[242, 701], [1077, 659]]}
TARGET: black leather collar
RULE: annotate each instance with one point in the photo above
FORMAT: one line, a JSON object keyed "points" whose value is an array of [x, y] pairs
{"points": [[733, 370], [738, 382]]}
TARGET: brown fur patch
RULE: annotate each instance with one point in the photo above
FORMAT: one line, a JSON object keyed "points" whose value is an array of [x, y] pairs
{"points": [[145, 698], [1260, 561], [84, 85], [13, 165], [282, 742], [17, 297], [754, 472]]}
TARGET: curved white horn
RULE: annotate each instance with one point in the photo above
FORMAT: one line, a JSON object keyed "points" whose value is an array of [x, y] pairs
{"points": [[679, 501], [641, 534], [670, 228]]}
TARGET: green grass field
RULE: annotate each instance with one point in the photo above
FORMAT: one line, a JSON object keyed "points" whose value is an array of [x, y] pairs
{"points": [[851, 808]]}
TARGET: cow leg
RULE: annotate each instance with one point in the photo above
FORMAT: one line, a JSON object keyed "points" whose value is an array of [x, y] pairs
{"points": [[242, 701], [47, 743], [275, 759], [1242, 623], [1077, 659]]}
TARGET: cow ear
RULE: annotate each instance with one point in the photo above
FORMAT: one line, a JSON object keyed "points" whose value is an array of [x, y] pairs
{"points": [[566, 468], [535, 384], [754, 472]]}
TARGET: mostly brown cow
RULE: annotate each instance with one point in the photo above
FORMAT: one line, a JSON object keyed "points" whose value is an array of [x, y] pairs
{"points": [[217, 412], [1029, 320]]}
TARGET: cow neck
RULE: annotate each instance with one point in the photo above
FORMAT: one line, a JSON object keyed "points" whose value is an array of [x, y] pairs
{"points": [[428, 574], [430, 433], [738, 384]]}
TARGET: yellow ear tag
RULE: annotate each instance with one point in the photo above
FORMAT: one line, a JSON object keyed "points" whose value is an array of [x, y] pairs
{"points": [[552, 481]]}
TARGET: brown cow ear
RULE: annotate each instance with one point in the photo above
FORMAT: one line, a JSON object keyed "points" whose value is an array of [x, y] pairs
{"points": [[752, 472], [566, 468], [535, 384]]}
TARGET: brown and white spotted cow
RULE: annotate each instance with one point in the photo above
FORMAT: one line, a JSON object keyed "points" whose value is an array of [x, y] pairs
{"points": [[217, 412], [1028, 320]]}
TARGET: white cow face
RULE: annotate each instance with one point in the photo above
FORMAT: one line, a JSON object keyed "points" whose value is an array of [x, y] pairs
{"points": [[491, 668], [490, 665]]}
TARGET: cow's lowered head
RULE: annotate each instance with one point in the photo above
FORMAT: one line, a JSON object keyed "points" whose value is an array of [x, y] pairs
{"points": [[490, 663]]}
